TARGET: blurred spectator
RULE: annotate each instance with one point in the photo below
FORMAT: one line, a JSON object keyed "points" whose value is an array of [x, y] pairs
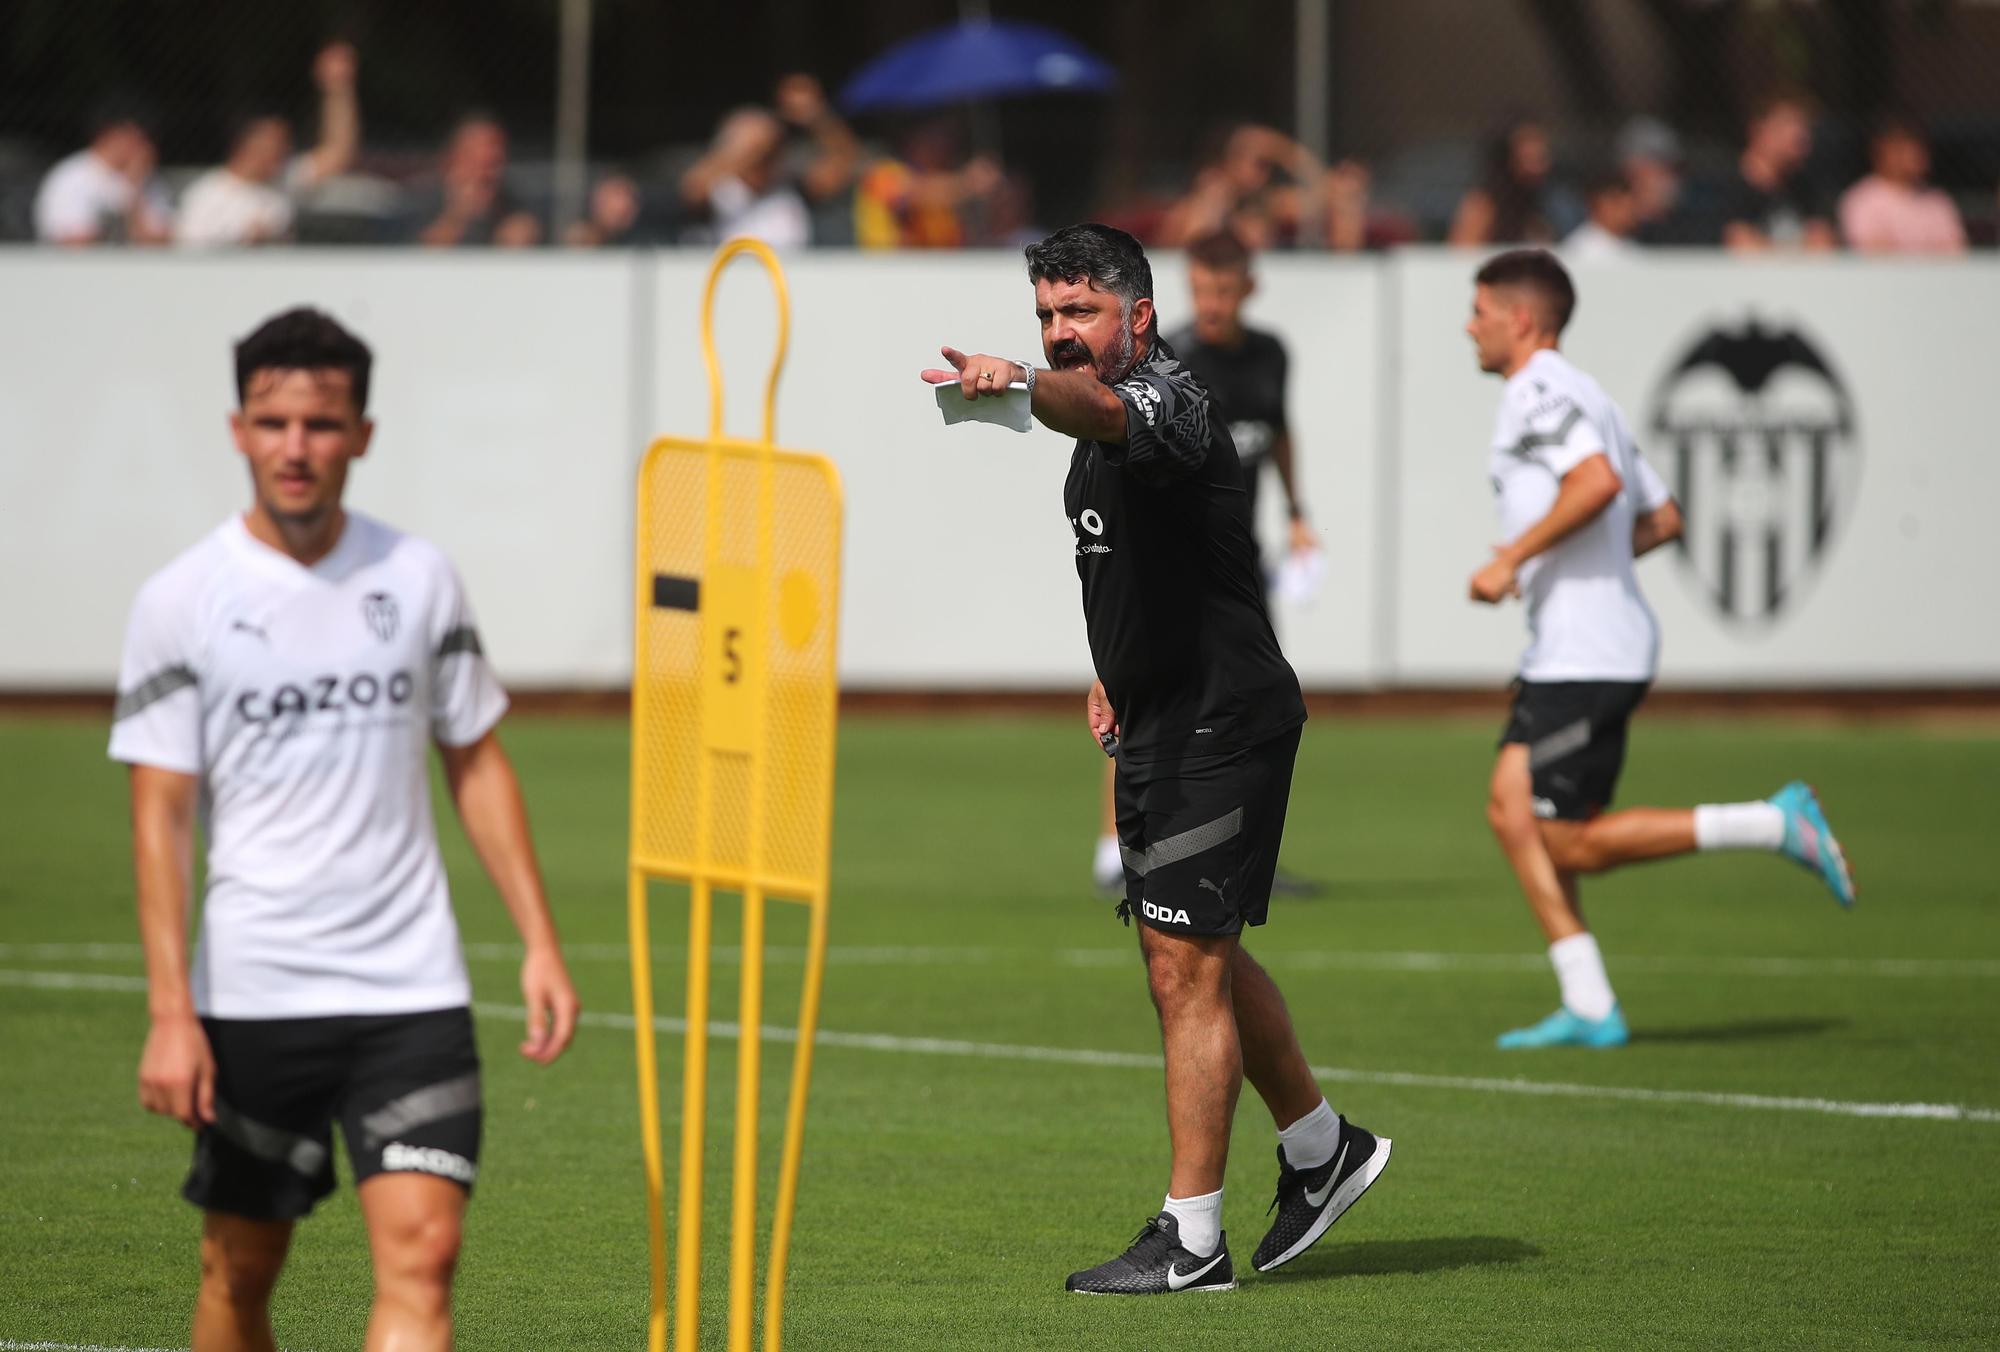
{"points": [[469, 203], [107, 192], [1516, 203], [1649, 155], [615, 210], [743, 181], [1614, 216], [1894, 210], [1771, 201], [250, 199], [922, 197], [1349, 222], [1264, 188]]}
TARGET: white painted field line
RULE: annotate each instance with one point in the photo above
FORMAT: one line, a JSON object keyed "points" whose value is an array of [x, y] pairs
{"points": [[1083, 1056], [1305, 960]]}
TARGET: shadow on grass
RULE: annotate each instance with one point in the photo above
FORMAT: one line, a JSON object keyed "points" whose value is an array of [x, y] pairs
{"points": [[1385, 1257], [1747, 1030]]}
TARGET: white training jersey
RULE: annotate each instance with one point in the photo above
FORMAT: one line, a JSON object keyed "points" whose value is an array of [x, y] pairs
{"points": [[306, 700], [1587, 620]]}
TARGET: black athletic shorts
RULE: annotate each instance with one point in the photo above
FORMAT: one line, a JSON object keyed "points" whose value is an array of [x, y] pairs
{"points": [[404, 1088], [1200, 837], [1575, 735]]}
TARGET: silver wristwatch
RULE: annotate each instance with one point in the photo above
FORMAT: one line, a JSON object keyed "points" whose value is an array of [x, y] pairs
{"points": [[1028, 378]]}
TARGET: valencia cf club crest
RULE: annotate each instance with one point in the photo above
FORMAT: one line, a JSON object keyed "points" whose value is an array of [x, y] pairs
{"points": [[1755, 433], [379, 608]]}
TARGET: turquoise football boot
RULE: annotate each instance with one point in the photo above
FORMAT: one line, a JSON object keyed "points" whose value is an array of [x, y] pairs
{"points": [[1809, 841], [1564, 1029]]}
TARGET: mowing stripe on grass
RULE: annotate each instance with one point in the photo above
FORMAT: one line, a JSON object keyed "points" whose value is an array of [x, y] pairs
{"points": [[1084, 1056], [1305, 960], [9, 1345]]}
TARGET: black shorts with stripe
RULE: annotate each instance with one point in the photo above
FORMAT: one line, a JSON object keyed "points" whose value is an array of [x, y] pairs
{"points": [[403, 1087], [1200, 836], [1575, 735]]}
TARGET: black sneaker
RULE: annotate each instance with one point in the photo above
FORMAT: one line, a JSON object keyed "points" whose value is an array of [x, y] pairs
{"points": [[1311, 1200], [1157, 1265]]}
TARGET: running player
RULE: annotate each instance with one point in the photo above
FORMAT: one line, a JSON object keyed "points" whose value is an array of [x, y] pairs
{"points": [[1577, 506], [282, 683], [1245, 370], [1206, 715]]}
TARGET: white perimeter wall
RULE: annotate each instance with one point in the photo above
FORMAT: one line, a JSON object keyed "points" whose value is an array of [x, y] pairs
{"points": [[514, 395]]}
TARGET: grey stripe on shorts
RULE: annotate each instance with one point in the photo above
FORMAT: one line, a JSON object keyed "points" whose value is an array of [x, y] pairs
{"points": [[420, 1106], [301, 1154], [1185, 845], [1564, 741]]}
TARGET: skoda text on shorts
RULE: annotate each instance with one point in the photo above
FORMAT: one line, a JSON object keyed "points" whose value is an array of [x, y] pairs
{"points": [[1207, 714], [283, 681]]}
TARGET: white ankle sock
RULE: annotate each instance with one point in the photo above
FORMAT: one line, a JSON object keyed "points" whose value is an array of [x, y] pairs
{"points": [[1108, 869], [1739, 826], [1311, 1141], [1200, 1220], [1586, 990]]}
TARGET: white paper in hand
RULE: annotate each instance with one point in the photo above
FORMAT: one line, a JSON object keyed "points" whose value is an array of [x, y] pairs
{"points": [[1300, 576], [1013, 409]]}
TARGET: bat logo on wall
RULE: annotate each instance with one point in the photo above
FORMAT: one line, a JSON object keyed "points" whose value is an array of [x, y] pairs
{"points": [[1755, 432]]}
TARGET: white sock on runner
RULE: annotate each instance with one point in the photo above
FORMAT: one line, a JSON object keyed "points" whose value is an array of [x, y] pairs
{"points": [[1311, 1141], [1108, 869], [1739, 826], [1200, 1220], [1586, 990]]}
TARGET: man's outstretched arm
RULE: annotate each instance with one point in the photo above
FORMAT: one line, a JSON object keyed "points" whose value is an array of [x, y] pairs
{"points": [[1074, 403], [488, 798]]}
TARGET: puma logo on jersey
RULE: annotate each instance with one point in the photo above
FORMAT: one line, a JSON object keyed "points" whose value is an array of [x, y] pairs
{"points": [[1209, 886], [245, 627], [1164, 914]]}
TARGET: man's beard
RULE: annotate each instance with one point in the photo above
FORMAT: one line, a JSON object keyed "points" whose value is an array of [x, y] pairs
{"points": [[1072, 354]]}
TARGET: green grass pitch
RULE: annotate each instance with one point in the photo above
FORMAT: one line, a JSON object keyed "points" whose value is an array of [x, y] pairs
{"points": [[948, 1191]]}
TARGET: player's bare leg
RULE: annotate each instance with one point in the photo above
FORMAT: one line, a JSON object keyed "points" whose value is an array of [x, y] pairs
{"points": [[1189, 979], [240, 1262], [1790, 823], [415, 1222], [1629, 837], [1272, 1060], [1589, 1015], [1510, 812], [1325, 1162]]}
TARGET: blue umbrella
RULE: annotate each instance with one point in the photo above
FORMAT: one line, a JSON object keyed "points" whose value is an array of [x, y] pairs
{"points": [[979, 59]]}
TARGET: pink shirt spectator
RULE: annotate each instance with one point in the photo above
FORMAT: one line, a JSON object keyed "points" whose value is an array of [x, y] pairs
{"points": [[1881, 216]]}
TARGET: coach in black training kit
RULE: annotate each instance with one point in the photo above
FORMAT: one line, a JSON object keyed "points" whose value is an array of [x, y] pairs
{"points": [[1203, 714]]}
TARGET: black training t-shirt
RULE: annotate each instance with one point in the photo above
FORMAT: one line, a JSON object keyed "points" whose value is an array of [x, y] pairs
{"points": [[1172, 595], [1248, 384]]}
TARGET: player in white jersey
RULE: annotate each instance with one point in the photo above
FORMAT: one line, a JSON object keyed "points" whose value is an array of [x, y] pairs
{"points": [[1577, 506], [282, 684]]}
